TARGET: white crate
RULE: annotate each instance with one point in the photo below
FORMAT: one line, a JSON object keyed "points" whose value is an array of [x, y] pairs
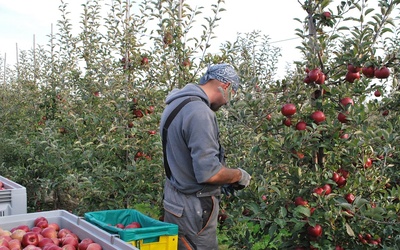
{"points": [[72, 222], [12, 198]]}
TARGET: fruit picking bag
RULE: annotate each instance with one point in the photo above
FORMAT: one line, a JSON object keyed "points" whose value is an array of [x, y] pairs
{"points": [[150, 228]]}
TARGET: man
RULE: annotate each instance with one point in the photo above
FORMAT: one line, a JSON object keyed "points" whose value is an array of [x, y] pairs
{"points": [[194, 158]]}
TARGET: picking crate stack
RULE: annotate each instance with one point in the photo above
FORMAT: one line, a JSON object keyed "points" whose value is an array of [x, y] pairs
{"points": [[135, 230]]}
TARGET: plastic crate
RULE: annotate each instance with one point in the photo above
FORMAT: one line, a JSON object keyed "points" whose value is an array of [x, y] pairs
{"points": [[72, 222], [153, 234], [12, 198]]}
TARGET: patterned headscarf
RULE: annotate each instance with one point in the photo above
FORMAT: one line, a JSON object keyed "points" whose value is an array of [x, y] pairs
{"points": [[223, 73]]}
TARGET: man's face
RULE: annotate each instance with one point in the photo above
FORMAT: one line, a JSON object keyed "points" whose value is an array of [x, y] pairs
{"points": [[226, 95]]}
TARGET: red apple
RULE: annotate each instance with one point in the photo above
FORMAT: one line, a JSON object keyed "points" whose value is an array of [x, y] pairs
{"points": [[288, 109], [6, 238], [326, 14], [287, 122], [369, 71], [382, 73], [4, 242], [55, 226], [327, 189], [385, 113], [318, 116], [22, 227], [36, 229], [353, 69], [335, 176], [63, 232], [342, 118], [318, 190], [350, 198], [315, 231], [45, 241], [94, 246], [341, 182], [30, 238], [313, 75], [18, 234], [119, 225], [321, 78], [49, 232], [368, 163], [69, 239], [85, 243], [68, 247], [14, 244], [343, 172], [38, 219], [133, 225], [51, 246], [377, 93], [299, 201], [346, 100], [145, 61], [42, 224], [301, 125], [351, 77], [4, 248]]}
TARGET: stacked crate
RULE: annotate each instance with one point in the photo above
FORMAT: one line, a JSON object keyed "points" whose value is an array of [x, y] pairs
{"points": [[12, 198]]}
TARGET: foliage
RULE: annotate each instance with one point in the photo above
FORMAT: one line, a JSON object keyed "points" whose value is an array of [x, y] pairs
{"points": [[80, 120]]}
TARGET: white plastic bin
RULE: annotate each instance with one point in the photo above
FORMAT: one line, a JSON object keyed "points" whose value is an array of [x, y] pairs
{"points": [[12, 198], [77, 225]]}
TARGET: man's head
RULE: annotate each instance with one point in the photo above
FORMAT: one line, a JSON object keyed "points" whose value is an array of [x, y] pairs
{"points": [[218, 82]]}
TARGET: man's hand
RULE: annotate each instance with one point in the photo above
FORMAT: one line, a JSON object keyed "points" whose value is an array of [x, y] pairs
{"points": [[228, 190], [245, 180]]}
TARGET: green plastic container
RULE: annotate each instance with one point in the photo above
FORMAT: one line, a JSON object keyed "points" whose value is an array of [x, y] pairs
{"points": [[150, 231]]}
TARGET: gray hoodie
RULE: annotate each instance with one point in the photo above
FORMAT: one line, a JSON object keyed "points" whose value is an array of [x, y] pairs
{"points": [[193, 149]]}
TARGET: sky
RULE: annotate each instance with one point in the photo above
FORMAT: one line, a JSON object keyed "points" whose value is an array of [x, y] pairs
{"points": [[24, 21]]}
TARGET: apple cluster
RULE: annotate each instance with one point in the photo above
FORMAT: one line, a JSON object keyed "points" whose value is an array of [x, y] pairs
{"points": [[44, 236], [368, 239], [353, 72]]}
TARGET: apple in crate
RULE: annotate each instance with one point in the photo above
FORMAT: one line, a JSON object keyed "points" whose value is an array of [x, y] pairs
{"points": [[83, 245], [133, 225], [18, 234], [49, 232], [94, 246], [45, 241], [14, 244], [30, 238]]}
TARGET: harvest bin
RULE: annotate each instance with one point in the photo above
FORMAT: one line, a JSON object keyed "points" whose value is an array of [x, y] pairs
{"points": [[12, 198], [153, 234], [77, 225]]}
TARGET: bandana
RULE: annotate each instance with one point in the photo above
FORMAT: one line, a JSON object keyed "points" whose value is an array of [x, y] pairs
{"points": [[223, 73]]}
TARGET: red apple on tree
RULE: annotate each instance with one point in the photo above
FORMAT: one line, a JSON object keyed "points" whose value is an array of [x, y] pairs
{"points": [[301, 125], [353, 69], [342, 118], [313, 75], [350, 198], [288, 109], [351, 77], [315, 231], [368, 163], [287, 122], [346, 101], [368, 71], [318, 116], [377, 93], [382, 73], [327, 189]]}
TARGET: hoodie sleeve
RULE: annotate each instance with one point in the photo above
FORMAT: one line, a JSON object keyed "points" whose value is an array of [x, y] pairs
{"points": [[202, 137]]}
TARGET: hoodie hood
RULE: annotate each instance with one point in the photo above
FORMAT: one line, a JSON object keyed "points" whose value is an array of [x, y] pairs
{"points": [[189, 90]]}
